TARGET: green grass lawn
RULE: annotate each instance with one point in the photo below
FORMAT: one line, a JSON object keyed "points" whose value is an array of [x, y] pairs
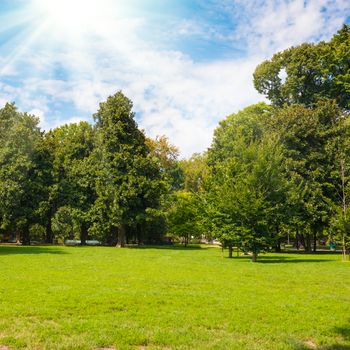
{"points": [[171, 298]]}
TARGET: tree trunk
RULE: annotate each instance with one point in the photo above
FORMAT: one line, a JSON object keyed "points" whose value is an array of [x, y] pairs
{"points": [[278, 246], [185, 240], [254, 256], [297, 240], [344, 206], [48, 231], [139, 234], [230, 250], [308, 243], [302, 240], [25, 235], [111, 239], [83, 233], [139, 238], [315, 240], [278, 242], [121, 236]]}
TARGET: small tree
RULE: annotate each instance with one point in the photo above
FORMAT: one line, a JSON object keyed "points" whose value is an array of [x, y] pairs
{"points": [[248, 193], [247, 187]]}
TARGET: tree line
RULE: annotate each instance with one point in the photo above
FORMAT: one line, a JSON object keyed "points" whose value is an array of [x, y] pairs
{"points": [[104, 181], [282, 169], [273, 170]]}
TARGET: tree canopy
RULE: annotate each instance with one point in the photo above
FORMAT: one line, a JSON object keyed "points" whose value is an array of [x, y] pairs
{"points": [[305, 73]]}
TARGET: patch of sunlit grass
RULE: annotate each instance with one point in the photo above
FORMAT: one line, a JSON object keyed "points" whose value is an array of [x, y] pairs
{"points": [[171, 298]]}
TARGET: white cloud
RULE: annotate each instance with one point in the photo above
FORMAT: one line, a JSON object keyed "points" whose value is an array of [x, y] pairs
{"points": [[172, 94], [275, 25]]}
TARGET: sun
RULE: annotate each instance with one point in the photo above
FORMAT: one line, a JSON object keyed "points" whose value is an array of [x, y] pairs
{"points": [[72, 16]]}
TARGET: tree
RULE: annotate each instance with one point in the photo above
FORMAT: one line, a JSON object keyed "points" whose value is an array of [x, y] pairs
{"points": [[64, 223], [250, 191], [166, 157], [128, 180], [247, 125], [308, 72], [73, 174], [314, 80], [21, 179], [307, 135], [338, 149], [247, 188]]}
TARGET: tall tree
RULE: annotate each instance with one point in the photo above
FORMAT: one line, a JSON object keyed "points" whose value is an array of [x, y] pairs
{"points": [[338, 149], [313, 131], [21, 178], [307, 135], [73, 176], [128, 179]]}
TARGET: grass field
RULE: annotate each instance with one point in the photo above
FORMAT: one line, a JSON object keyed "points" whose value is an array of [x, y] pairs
{"points": [[171, 298]]}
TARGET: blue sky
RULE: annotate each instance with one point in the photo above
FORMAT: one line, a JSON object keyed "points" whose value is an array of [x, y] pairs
{"points": [[186, 64]]}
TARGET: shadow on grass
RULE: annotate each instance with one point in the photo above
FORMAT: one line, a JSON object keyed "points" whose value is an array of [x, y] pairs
{"points": [[172, 247], [318, 252], [280, 259], [14, 250], [342, 332], [284, 259]]}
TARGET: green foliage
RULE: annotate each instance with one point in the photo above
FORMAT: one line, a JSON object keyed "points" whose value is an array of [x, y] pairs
{"points": [[247, 189], [249, 193], [166, 156], [64, 223], [97, 179], [128, 179], [270, 169], [247, 125], [308, 72], [21, 179], [73, 175], [311, 138], [340, 225], [183, 217], [195, 172]]}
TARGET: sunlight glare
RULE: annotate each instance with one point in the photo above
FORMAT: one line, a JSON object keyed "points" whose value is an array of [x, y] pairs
{"points": [[74, 16]]}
